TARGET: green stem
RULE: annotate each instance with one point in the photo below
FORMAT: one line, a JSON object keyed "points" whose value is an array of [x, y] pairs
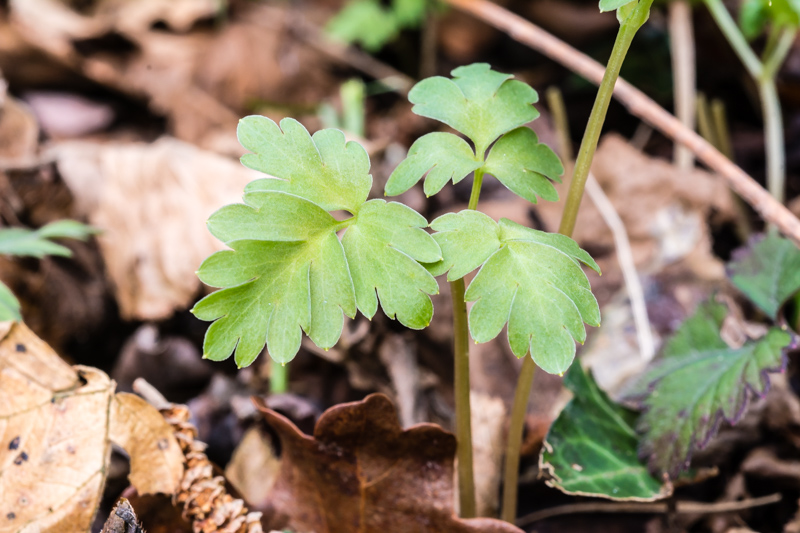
{"points": [[735, 38], [627, 31], [278, 377], [466, 477], [591, 136], [773, 138], [517, 424]]}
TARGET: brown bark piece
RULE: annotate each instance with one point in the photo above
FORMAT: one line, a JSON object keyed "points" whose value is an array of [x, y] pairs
{"points": [[362, 472]]}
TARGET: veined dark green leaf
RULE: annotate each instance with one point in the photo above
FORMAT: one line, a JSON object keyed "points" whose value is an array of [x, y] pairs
{"points": [[288, 272], [767, 271], [591, 448], [530, 279], [479, 102], [9, 305], [698, 382]]}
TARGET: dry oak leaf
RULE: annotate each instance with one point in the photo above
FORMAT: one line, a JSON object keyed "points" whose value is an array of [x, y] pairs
{"points": [[362, 472], [151, 203], [57, 424]]}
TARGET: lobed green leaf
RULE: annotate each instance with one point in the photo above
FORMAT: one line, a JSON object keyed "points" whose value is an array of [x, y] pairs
{"points": [[611, 5], [767, 271], [324, 169], [478, 102], [384, 248], [524, 166], [442, 156], [591, 448], [698, 382], [529, 279], [287, 271]]}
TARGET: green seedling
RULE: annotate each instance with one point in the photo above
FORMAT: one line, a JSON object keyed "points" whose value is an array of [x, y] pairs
{"points": [[24, 242], [372, 24]]}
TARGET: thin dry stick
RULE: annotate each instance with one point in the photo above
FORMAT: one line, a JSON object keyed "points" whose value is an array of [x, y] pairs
{"points": [[681, 35], [649, 508], [647, 346], [633, 284], [639, 105]]}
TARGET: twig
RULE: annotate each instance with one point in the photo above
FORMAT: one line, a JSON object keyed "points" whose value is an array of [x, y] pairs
{"points": [[639, 105], [684, 507], [351, 56]]}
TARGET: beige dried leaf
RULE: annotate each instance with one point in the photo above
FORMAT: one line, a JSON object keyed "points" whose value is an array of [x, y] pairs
{"points": [[156, 458], [151, 203], [54, 437]]}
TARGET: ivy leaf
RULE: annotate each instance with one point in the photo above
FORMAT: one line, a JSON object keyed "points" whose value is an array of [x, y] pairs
{"points": [[384, 248], [288, 272], [36, 243], [324, 169], [523, 165], [767, 271], [611, 5], [591, 448], [479, 102], [9, 305], [530, 279], [698, 382], [443, 156]]}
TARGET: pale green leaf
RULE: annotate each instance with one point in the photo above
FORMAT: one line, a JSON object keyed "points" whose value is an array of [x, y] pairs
{"points": [[384, 248], [323, 169], [611, 5], [698, 382], [36, 243], [767, 271], [466, 239], [364, 22], [530, 279], [524, 165], [478, 102], [443, 156], [591, 448], [9, 305], [271, 289]]}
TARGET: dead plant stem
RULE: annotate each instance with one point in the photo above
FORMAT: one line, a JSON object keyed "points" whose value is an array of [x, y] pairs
{"points": [[682, 48]]}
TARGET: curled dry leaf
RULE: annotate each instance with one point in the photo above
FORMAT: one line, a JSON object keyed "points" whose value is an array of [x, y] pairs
{"points": [[122, 519], [151, 203], [19, 133], [56, 427], [362, 472]]}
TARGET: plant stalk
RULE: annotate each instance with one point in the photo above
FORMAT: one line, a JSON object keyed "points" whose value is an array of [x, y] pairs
{"points": [[591, 136], [278, 377], [682, 49], [466, 477]]}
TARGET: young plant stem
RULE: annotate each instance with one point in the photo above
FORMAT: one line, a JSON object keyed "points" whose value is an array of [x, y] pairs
{"points": [[627, 31], [591, 135], [466, 477], [763, 71], [278, 377]]}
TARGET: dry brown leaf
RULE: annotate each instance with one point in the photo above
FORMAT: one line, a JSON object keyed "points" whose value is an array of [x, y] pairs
{"points": [[362, 472], [488, 445], [145, 435], [55, 442], [19, 133], [254, 466], [151, 203], [122, 519]]}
